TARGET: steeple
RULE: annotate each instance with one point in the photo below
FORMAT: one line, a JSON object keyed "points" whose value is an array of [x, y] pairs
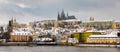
{"points": [[58, 18], [91, 18], [67, 16], [62, 15], [13, 20]]}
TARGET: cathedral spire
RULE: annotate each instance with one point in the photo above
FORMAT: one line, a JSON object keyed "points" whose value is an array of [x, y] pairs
{"points": [[62, 15], [58, 18], [13, 20], [67, 14]]}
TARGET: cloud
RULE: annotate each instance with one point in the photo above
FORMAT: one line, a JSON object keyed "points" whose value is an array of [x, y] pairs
{"points": [[22, 5], [35, 10], [3, 1]]}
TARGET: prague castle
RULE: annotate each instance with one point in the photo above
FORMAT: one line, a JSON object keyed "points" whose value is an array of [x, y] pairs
{"points": [[64, 17]]}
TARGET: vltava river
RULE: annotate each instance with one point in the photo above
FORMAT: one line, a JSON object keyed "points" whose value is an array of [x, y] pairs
{"points": [[56, 49]]}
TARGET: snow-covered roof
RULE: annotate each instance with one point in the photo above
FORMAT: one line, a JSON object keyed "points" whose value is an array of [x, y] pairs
{"points": [[21, 33], [98, 36], [70, 20], [99, 21], [112, 34]]}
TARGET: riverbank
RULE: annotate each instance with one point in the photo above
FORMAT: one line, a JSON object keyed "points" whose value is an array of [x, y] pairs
{"points": [[77, 45], [14, 44], [98, 45]]}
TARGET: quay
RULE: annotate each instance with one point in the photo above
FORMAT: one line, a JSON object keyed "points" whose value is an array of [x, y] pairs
{"points": [[98, 45], [43, 43], [14, 44]]}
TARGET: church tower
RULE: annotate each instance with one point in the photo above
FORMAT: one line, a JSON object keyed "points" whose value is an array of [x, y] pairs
{"points": [[63, 15], [13, 20], [91, 18], [67, 16], [58, 18]]}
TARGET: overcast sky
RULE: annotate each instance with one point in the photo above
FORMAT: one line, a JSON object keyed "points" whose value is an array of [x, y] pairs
{"points": [[36, 10]]}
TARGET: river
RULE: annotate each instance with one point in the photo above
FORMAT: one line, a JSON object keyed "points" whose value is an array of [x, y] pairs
{"points": [[56, 49]]}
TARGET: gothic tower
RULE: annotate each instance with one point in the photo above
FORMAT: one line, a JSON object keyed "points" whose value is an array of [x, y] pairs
{"points": [[58, 18], [13, 20], [67, 16], [63, 15]]}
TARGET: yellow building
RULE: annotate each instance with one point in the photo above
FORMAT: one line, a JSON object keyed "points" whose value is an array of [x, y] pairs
{"points": [[103, 40], [108, 38], [116, 25], [83, 36]]}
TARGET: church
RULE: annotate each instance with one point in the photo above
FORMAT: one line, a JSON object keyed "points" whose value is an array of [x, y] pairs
{"points": [[62, 16]]}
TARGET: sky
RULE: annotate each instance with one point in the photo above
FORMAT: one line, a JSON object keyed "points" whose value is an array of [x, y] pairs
{"points": [[26, 11]]}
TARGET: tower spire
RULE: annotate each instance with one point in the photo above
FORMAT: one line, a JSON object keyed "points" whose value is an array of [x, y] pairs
{"points": [[13, 19], [58, 18], [67, 14], [63, 15]]}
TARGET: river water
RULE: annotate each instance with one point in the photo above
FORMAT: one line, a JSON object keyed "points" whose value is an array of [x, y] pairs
{"points": [[56, 49]]}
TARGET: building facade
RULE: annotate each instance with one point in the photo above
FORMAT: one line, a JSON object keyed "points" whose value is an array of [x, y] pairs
{"points": [[111, 38], [98, 24]]}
